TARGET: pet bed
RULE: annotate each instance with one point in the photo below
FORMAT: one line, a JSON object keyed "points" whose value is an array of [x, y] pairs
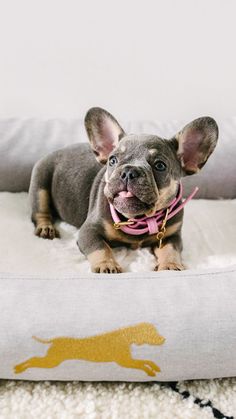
{"points": [[60, 322]]}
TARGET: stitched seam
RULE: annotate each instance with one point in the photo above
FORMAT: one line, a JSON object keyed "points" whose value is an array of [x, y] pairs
{"points": [[130, 276]]}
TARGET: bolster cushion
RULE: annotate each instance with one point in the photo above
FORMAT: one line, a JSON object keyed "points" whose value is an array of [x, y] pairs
{"points": [[177, 326], [23, 142]]}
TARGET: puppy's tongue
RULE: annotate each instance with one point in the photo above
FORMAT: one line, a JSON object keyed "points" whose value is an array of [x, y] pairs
{"points": [[125, 194]]}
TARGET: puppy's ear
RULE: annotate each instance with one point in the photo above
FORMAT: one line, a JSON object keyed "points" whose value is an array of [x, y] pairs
{"points": [[104, 132], [195, 143]]}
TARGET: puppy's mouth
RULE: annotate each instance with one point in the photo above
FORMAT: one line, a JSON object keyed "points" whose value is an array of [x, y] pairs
{"points": [[127, 203], [125, 194]]}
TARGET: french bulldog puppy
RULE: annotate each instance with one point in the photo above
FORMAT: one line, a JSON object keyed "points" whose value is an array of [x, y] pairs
{"points": [[135, 179]]}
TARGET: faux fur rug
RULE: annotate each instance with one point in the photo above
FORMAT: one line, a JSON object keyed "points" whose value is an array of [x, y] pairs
{"points": [[209, 241], [51, 400]]}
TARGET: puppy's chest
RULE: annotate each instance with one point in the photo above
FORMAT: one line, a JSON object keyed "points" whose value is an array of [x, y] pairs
{"points": [[118, 237]]}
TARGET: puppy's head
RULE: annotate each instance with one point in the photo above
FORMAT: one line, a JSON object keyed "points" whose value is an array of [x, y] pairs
{"points": [[143, 171]]}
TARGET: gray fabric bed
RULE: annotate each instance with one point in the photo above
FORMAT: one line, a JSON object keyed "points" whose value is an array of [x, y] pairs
{"points": [[194, 312], [132, 327]]}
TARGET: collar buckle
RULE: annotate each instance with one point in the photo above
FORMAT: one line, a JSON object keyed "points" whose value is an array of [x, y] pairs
{"points": [[118, 225]]}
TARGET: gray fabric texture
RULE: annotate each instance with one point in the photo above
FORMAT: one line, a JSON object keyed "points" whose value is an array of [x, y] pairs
{"points": [[194, 311], [23, 142]]}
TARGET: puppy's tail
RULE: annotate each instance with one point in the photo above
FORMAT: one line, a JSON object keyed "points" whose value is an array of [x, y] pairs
{"points": [[42, 340]]}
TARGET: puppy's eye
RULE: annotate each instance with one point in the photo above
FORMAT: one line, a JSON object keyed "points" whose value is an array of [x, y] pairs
{"points": [[160, 166], [112, 160]]}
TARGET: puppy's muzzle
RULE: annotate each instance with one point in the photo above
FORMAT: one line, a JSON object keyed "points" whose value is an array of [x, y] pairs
{"points": [[129, 173]]}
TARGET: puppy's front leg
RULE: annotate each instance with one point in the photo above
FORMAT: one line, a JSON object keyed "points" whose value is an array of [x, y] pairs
{"points": [[97, 251], [169, 255]]}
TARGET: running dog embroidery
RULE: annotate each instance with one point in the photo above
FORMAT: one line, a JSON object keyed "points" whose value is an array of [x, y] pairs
{"points": [[108, 347]]}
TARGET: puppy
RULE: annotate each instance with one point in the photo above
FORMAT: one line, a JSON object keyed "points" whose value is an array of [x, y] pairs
{"points": [[121, 189]]}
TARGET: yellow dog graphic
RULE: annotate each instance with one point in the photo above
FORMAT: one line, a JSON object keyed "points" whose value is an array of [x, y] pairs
{"points": [[108, 347]]}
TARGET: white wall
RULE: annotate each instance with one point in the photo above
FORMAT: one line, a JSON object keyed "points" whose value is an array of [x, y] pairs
{"points": [[139, 59]]}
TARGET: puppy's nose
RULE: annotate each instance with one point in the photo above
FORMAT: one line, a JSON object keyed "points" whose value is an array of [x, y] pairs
{"points": [[129, 173]]}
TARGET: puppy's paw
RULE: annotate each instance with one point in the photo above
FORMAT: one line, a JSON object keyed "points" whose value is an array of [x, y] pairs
{"points": [[47, 231], [170, 266], [110, 267]]}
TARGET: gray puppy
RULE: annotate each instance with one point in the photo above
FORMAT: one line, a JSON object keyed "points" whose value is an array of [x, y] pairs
{"points": [[119, 181]]}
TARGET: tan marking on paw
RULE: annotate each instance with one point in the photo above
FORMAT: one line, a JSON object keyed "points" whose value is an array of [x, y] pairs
{"points": [[43, 201], [170, 266], [43, 219], [46, 231], [110, 267], [168, 258], [102, 261]]}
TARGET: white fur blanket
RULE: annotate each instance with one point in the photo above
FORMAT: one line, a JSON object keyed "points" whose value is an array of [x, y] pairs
{"points": [[209, 236]]}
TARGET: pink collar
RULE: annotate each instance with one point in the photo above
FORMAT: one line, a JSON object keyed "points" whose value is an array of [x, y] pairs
{"points": [[151, 224]]}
